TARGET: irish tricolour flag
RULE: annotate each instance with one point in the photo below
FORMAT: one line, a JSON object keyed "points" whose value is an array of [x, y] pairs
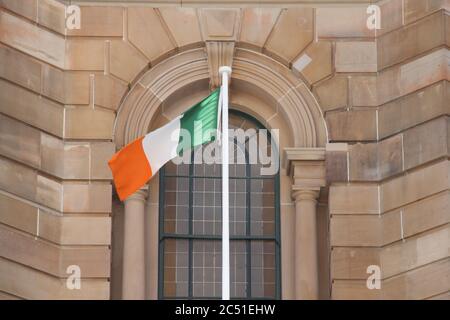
{"points": [[140, 160]]}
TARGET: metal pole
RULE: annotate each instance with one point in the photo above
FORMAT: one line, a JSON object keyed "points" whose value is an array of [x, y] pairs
{"points": [[225, 72]]}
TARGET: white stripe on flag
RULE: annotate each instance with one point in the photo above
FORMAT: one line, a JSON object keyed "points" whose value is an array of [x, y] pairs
{"points": [[160, 146]]}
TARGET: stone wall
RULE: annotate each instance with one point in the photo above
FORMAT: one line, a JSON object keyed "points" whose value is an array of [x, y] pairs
{"points": [[384, 95], [387, 107]]}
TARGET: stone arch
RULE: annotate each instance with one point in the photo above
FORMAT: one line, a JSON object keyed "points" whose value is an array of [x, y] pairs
{"points": [[274, 95], [274, 85]]}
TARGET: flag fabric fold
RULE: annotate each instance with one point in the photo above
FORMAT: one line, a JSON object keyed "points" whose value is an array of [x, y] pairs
{"points": [[140, 160]]}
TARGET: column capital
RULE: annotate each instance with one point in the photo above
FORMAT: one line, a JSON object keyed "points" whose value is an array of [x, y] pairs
{"points": [[140, 194], [306, 166], [305, 194]]}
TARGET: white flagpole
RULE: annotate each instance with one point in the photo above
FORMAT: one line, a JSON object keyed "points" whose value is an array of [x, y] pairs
{"points": [[225, 72]]}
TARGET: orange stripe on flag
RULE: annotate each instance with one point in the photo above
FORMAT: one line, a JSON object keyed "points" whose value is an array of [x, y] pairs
{"points": [[130, 169]]}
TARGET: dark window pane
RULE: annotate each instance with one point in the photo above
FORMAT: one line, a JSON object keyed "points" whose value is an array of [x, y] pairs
{"points": [[263, 268], [207, 272], [176, 268], [196, 189], [238, 272]]}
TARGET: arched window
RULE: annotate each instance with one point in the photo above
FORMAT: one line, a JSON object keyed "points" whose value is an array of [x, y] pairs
{"points": [[190, 226]]}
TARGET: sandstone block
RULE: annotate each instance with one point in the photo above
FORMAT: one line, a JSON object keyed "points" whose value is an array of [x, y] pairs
{"points": [[391, 16], [101, 153], [426, 142], [354, 199], [257, 24], [75, 230], [85, 54], [413, 109], [108, 91], [52, 15], [144, 24], [411, 40], [87, 197], [27, 283], [32, 40], [125, 61], [20, 69], [316, 62], [19, 141], [18, 214], [25, 8], [88, 123], [352, 125], [343, 22], [416, 185], [332, 93], [416, 9], [183, 25], [352, 263], [294, 26], [31, 108], [356, 56], [426, 214], [65, 87], [106, 21]]}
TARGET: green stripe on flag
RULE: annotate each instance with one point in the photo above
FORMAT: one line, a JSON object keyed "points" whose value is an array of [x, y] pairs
{"points": [[200, 120]]}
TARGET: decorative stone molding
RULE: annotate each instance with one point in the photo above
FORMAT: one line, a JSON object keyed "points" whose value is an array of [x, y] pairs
{"points": [[306, 195], [140, 195], [306, 166], [220, 24], [143, 102], [290, 94], [220, 53], [276, 84]]}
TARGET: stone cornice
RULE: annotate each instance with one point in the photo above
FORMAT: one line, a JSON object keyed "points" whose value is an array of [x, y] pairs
{"points": [[306, 166], [302, 154]]}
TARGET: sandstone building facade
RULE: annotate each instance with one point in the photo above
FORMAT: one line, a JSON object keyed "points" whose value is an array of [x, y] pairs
{"points": [[364, 141]]}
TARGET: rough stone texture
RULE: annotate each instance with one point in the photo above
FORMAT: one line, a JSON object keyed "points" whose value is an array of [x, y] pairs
{"points": [[295, 27], [426, 142], [356, 56], [416, 9], [30, 39], [183, 25], [119, 51], [31, 108], [85, 54], [100, 22], [332, 93], [108, 91], [27, 9], [352, 125], [18, 68], [342, 22], [52, 15], [88, 123], [412, 40], [257, 24], [143, 23], [391, 16], [318, 58], [413, 109]]}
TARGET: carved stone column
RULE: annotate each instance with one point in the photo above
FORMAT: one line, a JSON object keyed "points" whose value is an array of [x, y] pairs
{"points": [[306, 256], [307, 169], [133, 278]]}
